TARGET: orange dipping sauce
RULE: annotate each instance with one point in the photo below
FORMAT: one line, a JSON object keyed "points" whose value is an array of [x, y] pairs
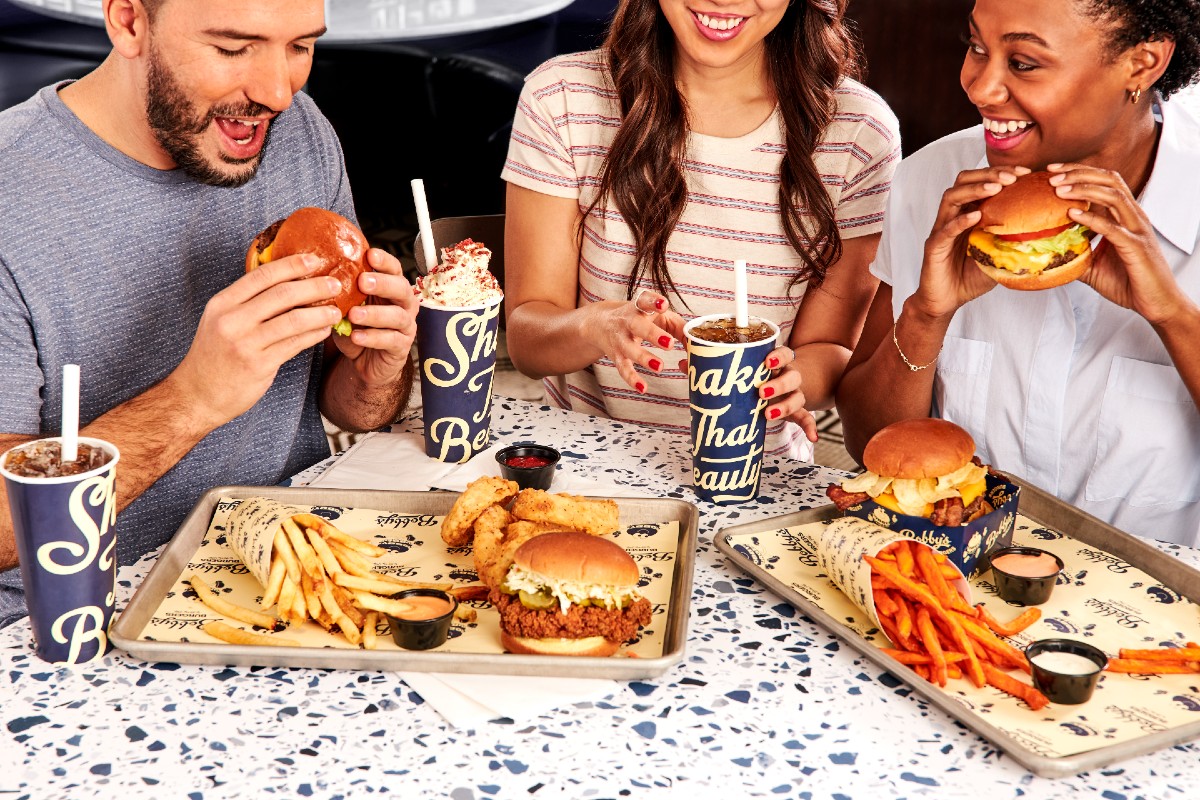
{"points": [[423, 607], [1026, 565]]}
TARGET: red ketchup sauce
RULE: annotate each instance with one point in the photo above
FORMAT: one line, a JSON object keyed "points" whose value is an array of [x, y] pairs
{"points": [[527, 462]]}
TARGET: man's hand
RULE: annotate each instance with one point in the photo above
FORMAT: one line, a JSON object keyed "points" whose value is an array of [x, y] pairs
{"points": [[384, 328], [368, 384], [249, 330]]}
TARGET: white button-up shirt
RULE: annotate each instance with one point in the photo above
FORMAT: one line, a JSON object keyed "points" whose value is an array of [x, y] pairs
{"points": [[1060, 386]]}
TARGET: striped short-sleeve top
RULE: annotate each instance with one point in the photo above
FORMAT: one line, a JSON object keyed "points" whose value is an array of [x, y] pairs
{"points": [[566, 119]]}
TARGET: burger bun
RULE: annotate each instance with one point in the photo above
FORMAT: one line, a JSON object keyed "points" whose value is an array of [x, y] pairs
{"points": [[918, 448], [578, 557], [329, 236], [1033, 281], [587, 646], [1028, 204]]}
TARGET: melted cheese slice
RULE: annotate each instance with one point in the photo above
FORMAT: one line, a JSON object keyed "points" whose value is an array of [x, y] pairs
{"points": [[916, 496]]}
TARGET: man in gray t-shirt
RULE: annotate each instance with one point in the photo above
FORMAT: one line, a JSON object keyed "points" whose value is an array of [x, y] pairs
{"points": [[130, 198]]}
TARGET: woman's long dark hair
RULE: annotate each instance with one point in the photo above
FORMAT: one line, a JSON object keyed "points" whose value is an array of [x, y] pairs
{"points": [[808, 53]]}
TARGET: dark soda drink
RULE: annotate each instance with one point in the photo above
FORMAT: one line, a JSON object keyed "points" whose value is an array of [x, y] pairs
{"points": [[726, 331], [43, 459]]}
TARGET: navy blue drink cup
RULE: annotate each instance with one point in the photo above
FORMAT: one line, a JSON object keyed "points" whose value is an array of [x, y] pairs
{"points": [[456, 350], [729, 425], [66, 541]]}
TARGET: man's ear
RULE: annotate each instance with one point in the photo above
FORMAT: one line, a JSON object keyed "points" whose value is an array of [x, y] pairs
{"points": [[128, 26]]}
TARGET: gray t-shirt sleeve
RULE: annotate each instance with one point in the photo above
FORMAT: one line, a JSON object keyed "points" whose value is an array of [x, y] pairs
{"points": [[21, 410]]}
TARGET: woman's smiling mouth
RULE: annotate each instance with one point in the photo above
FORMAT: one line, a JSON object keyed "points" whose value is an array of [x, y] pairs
{"points": [[718, 28], [1005, 134]]}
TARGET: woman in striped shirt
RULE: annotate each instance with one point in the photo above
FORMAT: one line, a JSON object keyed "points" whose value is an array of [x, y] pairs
{"points": [[703, 131]]}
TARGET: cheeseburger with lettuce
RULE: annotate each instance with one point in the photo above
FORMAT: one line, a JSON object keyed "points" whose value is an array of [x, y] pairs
{"points": [[1025, 240], [922, 468]]}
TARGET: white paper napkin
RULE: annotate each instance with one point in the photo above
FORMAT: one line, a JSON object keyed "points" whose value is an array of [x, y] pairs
{"points": [[468, 701], [397, 461]]}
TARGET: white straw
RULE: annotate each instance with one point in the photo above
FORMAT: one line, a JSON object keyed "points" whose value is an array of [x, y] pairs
{"points": [[423, 222], [70, 413], [742, 315]]}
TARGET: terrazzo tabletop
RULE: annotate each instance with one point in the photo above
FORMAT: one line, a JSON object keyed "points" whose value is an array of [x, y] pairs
{"points": [[765, 702]]}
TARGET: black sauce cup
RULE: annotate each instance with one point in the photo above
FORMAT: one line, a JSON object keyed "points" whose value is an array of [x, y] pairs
{"points": [[539, 477], [423, 634], [1019, 588], [1066, 688]]}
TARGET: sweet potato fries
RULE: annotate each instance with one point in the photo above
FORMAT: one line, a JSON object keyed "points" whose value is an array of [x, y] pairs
{"points": [[934, 629]]}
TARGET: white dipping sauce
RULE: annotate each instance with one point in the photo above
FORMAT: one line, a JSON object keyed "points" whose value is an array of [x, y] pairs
{"points": [[1065, 663]]}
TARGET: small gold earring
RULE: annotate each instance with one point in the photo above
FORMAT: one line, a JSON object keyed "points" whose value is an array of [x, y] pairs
{"points": [[1135, 95]]}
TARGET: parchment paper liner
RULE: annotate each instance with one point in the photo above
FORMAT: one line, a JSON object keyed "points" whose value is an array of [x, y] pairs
{"points": [[840, 550], [251, 532]]}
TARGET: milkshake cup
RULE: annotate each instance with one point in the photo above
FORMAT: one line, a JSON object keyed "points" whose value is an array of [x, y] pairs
{"points": [[457, 335]]}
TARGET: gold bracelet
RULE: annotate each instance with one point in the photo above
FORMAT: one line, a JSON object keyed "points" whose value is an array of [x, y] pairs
{"points": [[911, 366]]}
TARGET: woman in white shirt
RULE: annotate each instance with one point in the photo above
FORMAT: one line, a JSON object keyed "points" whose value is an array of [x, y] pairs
{"points": [[1088, 390], [701, 133]]}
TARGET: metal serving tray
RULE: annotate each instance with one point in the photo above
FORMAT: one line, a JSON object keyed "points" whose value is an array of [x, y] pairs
{"points": [[1045, 510], [127, 629]]}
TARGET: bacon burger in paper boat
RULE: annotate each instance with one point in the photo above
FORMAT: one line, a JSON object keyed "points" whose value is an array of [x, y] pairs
{"points": [[923, 479]]}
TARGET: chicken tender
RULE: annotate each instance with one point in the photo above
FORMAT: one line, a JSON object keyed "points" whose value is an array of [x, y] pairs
{"points": [[597, 517], [494, 549], [480, 495], [489, 543]]}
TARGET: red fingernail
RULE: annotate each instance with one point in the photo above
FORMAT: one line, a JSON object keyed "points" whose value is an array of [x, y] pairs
{"points": [[660, 304], [641, 387], [773, 362], [773, 413], [768, 391], [655, 364], [664, 342]]}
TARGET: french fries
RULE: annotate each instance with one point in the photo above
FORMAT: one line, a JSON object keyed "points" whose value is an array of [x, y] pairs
{"points": [[936, 632], [227, 609], [317, 573], [1159, 661], [232, 635]]}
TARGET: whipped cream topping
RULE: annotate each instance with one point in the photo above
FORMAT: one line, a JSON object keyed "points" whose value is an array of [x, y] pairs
{"points": [[462, 278]]}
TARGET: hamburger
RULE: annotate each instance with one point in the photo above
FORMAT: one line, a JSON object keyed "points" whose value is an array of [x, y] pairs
{"points": [[336, 240], [1025, 240], [570, 594], [922, 468]]}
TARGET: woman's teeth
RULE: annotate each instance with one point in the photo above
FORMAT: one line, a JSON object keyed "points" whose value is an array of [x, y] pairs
{"points": [[1001, 127], [719, 23]]}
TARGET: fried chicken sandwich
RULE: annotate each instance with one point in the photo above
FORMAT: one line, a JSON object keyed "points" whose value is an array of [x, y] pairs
{"points": [[570, 593]]}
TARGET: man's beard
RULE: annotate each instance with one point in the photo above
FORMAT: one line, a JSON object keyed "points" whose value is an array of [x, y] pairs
{"points": [[178, 127]]}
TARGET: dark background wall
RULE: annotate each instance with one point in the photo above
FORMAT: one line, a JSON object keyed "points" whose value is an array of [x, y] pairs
{"points": [[914, 51]]}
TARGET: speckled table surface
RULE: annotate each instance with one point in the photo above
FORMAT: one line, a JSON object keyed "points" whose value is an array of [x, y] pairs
{"points": [[765, 703]]}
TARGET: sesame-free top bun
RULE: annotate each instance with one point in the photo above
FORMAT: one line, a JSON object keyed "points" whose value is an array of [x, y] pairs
{"points": [[918, 448], [336, 240], [1027, 205], [578, 558]]}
